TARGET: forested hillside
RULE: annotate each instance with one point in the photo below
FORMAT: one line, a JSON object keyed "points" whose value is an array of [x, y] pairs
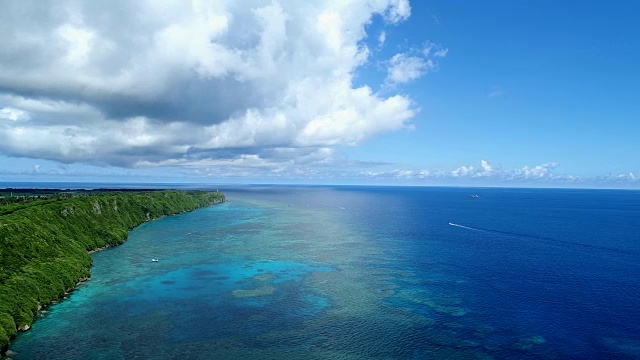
{"points": [[44, 244]]}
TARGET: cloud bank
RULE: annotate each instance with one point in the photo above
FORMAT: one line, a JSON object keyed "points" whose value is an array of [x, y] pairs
{"points": [[145, 83], [313, 167], [488, 173]]}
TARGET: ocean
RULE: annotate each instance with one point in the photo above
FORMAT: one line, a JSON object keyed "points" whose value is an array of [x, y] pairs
{"points": [[347, 272]]}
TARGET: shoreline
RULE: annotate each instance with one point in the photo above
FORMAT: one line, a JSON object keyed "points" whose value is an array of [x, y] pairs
{"points": [[101, 220]]}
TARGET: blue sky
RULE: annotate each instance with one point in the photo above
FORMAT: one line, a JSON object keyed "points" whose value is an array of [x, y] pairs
{"points": [[495, 93]]}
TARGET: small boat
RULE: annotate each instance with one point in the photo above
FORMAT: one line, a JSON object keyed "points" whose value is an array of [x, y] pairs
{"points": [[154, 260], [474, 196]]}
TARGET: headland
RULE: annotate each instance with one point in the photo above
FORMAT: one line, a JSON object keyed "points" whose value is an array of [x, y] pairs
{"points": [[46, 236]]}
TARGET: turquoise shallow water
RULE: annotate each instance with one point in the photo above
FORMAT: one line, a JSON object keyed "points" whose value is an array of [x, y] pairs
{"points": [[363, 273]]}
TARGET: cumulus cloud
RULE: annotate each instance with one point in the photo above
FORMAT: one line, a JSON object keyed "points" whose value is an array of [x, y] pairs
{"points": [[413, 64], [538, 171], [404, 68], [485, 171], [627, 177], [463, 171], [382, 38], [155, 82]]}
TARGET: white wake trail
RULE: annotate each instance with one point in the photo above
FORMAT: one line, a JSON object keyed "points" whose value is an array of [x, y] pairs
{"points": [[464, 227]]}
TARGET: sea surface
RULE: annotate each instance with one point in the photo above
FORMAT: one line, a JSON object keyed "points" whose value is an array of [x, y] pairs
{"points": [[287, 272]]}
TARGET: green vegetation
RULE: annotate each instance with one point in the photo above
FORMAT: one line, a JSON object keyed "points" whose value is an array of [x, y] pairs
{"points": [[44, 244]]}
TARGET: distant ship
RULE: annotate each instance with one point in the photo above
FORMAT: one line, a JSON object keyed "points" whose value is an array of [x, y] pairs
{"points": [[474, 196]]}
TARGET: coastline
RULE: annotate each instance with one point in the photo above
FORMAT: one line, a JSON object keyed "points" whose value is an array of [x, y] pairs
{"points": [[55, 240]]}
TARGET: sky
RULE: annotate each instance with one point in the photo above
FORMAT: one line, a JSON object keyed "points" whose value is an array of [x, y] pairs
{"points": [[385, 92]]}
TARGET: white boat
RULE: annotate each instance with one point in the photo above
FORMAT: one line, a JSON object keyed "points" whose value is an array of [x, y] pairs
{"points": [[154, 260]]}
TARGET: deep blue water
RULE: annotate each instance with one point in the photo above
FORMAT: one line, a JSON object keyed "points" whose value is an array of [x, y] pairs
{"points": [[364, 272]]}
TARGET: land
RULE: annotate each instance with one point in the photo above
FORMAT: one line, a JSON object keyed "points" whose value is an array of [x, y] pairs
{"points": [[46, 236]]}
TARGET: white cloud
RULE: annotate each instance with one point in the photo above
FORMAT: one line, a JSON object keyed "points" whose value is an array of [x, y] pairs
{"points": [[538, 171], [441, 53], [399, 10], [431, 49], [404, 68], [149, 82], [628, 177], [13, 114], [413, 64], [463, 171], [80, 42], [382, 38], [485, 171]]}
